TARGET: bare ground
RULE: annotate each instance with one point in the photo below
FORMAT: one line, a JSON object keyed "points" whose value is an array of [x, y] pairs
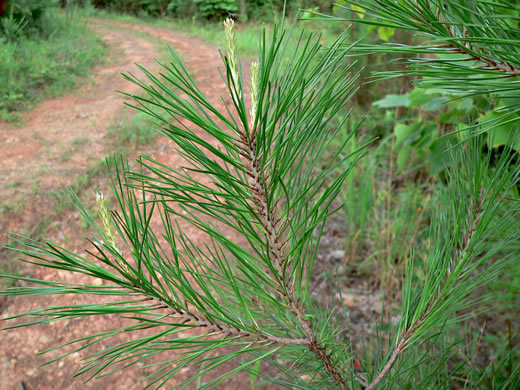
{"points": [[34, 166], [60, 139]]}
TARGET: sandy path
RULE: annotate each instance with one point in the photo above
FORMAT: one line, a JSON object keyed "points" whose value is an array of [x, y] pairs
{"points": [[63, 136], [78, 122]]}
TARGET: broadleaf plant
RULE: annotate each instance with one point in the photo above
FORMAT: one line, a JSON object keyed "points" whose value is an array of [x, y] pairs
{"points": [[255, 184], [462, 47]]}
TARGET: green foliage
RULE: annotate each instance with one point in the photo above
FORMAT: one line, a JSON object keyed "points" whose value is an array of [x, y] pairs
{"points": [[432, 112], [215, 8], [179, 8], [27, 13], [255, 10], [260, 172], [467, 47], [385, 222], [12, 28], [182, 9], [265, 172], [264, 184], [384, 33], [136, 131], [35, 66], [136, 7]]}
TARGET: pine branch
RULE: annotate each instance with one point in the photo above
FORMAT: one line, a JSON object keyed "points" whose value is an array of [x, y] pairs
{"points": [[272, 230], [464, 46], [204, 322], [481, 31], [254, 297], [473, 224]]}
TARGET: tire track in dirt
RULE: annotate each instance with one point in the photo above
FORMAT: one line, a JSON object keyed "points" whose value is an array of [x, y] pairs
{"points": [[85, 114]]}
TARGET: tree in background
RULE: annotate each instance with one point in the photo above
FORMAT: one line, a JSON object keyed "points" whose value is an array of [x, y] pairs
{"points": [[215, 8], [210, 9]]}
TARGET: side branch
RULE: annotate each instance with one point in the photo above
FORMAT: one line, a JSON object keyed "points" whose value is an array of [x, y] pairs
{"points": [[474, 220], [477, 53], [201, 321]]}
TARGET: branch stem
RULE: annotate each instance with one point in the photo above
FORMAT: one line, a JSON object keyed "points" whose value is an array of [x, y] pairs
{"points": [[202, 321], [474, 220], [271, 226]]}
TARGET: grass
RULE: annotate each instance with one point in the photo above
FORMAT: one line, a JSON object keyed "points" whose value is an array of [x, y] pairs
{"points": [[136, 130], [79, 140], [386, 211], [34, 67], [83, 184]]}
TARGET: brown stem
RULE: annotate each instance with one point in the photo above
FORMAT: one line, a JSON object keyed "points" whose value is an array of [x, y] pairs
{"points": [[204, 322], [271, 227], [398, 349], [466, 47], [474, 220]]}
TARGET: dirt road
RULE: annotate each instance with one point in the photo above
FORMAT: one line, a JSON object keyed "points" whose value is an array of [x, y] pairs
{"points": [[59, 140]]}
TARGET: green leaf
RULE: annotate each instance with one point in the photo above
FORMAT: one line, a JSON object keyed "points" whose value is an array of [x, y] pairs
{"points": [[462, 131], [403, 156], [439, 157], [465, 104], [436, 103], [385, 33], [503, 133], [403, 132], [390, 101], [419, 97]]}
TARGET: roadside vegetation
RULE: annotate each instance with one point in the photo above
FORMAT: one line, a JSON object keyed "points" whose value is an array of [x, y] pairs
{"points": [[44, 51], [436, 192]]}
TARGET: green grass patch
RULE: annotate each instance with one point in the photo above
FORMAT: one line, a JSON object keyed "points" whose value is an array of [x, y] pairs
{"points": [[47, 64], [133, 130]]}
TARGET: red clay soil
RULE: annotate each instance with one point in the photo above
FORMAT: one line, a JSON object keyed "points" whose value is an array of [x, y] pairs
{"points": [[76, 125]]}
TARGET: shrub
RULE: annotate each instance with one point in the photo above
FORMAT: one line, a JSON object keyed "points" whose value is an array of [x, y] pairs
{"points": [[28, 13], [43, 64]]}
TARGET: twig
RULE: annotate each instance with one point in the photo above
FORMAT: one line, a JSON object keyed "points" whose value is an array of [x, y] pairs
{"points": [[474, 219], [201, 321]]}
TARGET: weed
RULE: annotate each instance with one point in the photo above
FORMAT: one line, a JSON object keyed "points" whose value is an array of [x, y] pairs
{"points": [[46, 64], [79, 140], [65, 156], [138, 131], [15, 184]]}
